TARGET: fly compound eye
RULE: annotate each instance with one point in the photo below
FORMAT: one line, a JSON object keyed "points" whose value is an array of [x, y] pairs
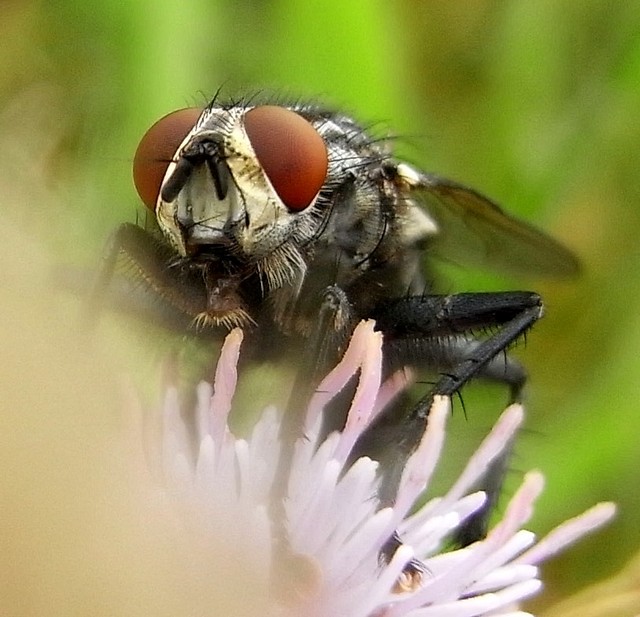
{"points": [[157, 148], [291, 152]]}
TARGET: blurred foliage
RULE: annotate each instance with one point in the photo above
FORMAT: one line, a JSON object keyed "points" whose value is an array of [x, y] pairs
{"points": [[534, 103]]}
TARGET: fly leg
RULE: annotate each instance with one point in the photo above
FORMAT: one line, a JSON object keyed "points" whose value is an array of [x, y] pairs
{"points": [[436, 332], [157, 286], [430, 329], [513, 313], [502, 368], [331, 333], [145, 254]]}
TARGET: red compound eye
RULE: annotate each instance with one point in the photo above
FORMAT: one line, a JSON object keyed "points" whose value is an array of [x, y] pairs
{"points": [[156, 149], [291, 152]]}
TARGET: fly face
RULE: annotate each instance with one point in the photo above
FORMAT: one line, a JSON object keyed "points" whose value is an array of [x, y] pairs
{"points": [[243, 184], [248, 177]]}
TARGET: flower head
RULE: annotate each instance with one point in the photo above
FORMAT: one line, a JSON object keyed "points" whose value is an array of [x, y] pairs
{"points": [[334, 529]]}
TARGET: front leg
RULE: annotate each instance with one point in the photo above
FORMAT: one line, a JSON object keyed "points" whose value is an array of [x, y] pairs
{"points": [[332, 329], [156, 283], [153, 284]]}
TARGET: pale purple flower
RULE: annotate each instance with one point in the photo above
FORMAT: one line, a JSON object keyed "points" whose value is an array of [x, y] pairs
{"points": [[334, 524]]}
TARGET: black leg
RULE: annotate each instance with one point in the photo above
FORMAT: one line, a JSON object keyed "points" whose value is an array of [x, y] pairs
{"points": [[450, 383], [436, 332], [434, 328]]}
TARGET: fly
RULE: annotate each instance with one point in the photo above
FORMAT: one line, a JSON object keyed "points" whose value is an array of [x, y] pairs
{"points": [[294, 223]]}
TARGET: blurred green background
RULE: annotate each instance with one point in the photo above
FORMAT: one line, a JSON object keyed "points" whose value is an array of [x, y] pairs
{"points": [[536, 104]]}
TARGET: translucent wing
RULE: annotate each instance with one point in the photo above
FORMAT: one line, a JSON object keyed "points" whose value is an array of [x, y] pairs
{"points": [[473, 230]]}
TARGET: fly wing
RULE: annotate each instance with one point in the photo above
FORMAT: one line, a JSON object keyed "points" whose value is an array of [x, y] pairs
{"points": [[472, 230]]}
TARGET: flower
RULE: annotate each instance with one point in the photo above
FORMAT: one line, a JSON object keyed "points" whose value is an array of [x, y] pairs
{"points": [[323, 557]]}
